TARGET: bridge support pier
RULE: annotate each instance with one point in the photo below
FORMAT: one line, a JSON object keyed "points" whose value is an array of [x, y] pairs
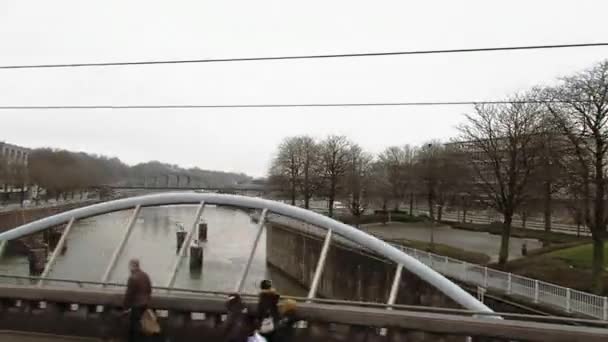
{"points": [[37, 260], [196, 258], [53, 238], [202, 231], [181, 237]]}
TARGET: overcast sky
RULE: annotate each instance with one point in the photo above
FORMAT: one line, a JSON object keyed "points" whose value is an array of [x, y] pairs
{"points": [[244, 140]]}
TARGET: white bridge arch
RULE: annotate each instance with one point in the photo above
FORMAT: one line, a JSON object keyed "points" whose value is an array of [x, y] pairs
{"points": [[384, 249]]}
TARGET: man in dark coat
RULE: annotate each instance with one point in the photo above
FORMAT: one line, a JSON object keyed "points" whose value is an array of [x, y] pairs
{"points": [[137, 298]]}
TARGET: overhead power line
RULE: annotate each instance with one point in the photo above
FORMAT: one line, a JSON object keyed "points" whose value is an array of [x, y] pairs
{"points": [[286, 105], [274, 58]]}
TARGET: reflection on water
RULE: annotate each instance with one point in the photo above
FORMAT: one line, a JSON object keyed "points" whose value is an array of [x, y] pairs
{"points": [[230, 237]]}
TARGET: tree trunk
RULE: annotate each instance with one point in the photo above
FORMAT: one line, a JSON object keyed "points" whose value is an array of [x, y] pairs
{"points": [[332, 196], [412, 204], [503, 256], [22, 196], [547, 210], [599, 226], [430, 204], [306, 185], [439, 213], [293, 193], [598, 265]]}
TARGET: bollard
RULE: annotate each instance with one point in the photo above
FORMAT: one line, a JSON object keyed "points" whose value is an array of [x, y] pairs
{"points": [[181, 237], [37, 260], [196, 257], [202, 231]]}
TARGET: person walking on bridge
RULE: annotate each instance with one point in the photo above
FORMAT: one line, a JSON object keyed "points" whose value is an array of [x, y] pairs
{"points": [[268, 310], [137, 298]]}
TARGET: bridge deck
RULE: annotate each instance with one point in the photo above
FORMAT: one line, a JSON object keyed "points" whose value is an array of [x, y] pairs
{"points": [[30, 337]]}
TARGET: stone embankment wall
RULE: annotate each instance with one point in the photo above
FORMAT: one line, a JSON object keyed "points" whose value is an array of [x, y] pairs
{"points": [[349, 274]]}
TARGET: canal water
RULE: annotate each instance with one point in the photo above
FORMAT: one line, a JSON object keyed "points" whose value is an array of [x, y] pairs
{"points": [[231, 234]]}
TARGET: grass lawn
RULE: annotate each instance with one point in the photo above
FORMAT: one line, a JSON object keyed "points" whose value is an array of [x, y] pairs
{"points": [[579, 256], [569, 267], [445, 250]]}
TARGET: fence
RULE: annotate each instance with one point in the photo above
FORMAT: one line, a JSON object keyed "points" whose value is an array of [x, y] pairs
{"points": [[531, 290], [487, 218]]}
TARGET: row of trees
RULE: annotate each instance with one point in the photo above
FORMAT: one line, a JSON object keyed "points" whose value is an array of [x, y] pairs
{"points": [[62, 172], [336, 168], [534, 145]]}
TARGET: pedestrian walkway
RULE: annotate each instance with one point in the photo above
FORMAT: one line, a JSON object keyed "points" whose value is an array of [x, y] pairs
{"points": [[480, 242]]}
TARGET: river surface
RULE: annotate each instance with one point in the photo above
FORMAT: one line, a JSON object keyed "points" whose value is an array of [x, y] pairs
{"points": [[230, 237]]}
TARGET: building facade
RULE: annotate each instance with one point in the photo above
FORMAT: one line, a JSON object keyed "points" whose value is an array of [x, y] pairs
{"points": [[14, 154]]}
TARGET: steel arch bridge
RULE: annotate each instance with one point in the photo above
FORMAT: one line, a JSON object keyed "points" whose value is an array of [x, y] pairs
{"points": [[331, 226]]}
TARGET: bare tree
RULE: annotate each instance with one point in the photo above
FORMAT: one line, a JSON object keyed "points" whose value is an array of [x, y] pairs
{"points": [[549, 177], [442, 173], [310, 179], [398, 163], [286, 167], [358, 180], [501, 142], [19, 178], [334, 164], [580, 106], [379, 189]]}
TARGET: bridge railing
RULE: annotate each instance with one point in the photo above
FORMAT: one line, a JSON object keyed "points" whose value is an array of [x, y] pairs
{"points": [[531, 290], [96, 312]]}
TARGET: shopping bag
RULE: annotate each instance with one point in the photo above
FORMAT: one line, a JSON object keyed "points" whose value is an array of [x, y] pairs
{"points": [[267, 325], [149, 323]]}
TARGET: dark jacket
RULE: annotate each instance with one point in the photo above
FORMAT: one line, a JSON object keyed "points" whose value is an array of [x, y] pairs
{"points": [[234, 328], [268, 301], [284, 330], [139, 290]]}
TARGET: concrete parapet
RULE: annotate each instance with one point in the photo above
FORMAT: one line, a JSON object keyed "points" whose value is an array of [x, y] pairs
{"points": [[327, 323]]}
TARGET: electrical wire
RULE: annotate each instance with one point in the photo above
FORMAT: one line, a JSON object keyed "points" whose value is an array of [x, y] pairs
{"points": [[293, 105], [321, 56]]}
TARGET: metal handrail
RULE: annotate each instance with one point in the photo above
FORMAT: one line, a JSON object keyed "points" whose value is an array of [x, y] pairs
{"points": [[530, 289]]}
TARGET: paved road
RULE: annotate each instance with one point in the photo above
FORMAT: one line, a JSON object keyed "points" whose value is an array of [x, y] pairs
{"points": [[24, 337], [485, 243]]}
